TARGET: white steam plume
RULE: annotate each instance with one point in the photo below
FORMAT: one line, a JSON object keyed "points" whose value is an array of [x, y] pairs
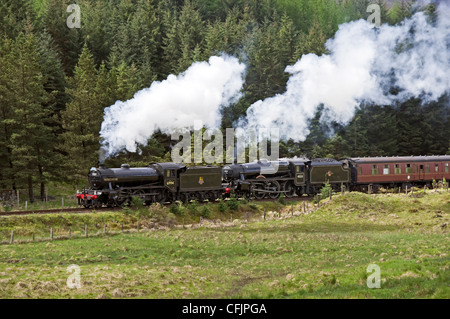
{"points": [[362, 65], [175, 103]]}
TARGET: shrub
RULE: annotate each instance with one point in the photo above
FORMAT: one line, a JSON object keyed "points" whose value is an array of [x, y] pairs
{"points": [[126, 210], [222, 207], [326, 190], [233, 204], [193, 207], [205, 212], [137, 203], [282, 200], [177, 209]]}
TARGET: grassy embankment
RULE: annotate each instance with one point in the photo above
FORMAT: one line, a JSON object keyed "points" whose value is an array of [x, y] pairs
{"points": [[322, 254]]}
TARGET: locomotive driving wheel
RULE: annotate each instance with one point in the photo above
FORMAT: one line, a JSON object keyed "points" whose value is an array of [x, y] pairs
{"points": [[139, 193], [258, 191], [274, 188], [160, 197], [289, 189], [120, 201]]}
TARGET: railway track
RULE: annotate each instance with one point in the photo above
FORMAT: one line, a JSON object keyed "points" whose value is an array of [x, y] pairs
{"points": [[80, 210]]}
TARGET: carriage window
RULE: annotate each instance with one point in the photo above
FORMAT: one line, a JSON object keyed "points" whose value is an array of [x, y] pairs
{"points": [[374, 169], [298, 169], [386, 170], [168, 173], [360, 170], [436, 167], [408, 169], [427, 168], [446, 167], [398, 169]]}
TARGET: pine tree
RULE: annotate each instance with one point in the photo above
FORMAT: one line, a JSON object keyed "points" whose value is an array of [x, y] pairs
{"points": [[127, 82], [67, 41], [399, 11], [97, 29], [191, 37], [14, 15], [313, 42], [82, 118], [171, 43], [32, 139], [55, 78], [6, 114]]}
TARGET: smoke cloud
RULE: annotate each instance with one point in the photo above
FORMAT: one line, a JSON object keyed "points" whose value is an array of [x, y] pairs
{"points": [[198, 94], [363, 64]]}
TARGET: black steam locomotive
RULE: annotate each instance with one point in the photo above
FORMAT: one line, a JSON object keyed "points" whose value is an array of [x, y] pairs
{"points": [[156, 183], [169, 182]]}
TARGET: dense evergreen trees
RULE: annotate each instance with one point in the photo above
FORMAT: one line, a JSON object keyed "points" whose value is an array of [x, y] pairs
{"points": [[55, 81]]}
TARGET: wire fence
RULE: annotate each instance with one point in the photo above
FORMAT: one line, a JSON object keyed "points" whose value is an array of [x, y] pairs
{"points": [[50, 228], [19, 199], [21, 235]]}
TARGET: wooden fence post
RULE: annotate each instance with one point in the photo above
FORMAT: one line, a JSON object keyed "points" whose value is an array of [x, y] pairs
{"points": [[12, 236], [51, 233], [62, 202], [18, 199], [85, 230], [33, 236], [264, 214], [292, 210], [26, 205]]}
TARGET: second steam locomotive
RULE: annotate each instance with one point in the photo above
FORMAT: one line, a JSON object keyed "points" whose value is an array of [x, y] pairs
{"points": [[170, 182]]}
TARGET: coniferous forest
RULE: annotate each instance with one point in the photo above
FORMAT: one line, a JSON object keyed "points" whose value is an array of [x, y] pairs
{"points": [[55, 81]]}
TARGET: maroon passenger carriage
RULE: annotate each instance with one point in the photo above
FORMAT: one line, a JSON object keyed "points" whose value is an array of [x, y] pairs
{"points": [[398, 171]]}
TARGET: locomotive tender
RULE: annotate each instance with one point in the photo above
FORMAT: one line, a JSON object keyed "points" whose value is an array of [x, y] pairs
{"points": [[169, 182]]}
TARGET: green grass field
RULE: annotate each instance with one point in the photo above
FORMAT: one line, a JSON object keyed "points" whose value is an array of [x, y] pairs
{"points": [[321, 254]]}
